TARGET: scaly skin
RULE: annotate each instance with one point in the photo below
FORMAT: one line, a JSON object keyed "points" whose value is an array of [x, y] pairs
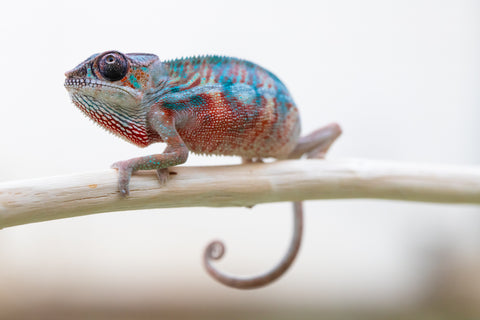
{"points": [[206, 105]]}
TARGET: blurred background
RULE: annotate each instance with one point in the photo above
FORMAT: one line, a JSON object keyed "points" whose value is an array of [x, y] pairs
{"points": [[402, 79]]}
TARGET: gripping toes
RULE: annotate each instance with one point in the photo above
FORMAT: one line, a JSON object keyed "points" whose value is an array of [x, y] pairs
{"points": [[163, 175], [124, 173]]}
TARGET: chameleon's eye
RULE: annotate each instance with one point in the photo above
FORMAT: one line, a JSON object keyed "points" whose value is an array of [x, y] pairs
{"points": [[113, 66]]}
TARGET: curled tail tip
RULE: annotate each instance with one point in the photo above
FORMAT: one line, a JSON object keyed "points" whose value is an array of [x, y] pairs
{"points": [[216, 249]]}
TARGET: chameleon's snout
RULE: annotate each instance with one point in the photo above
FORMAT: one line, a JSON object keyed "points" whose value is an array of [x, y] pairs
{"points": [[78, 72]]}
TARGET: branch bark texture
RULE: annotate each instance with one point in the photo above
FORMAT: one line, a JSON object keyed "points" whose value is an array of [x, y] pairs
{"points": [[35, 200]]}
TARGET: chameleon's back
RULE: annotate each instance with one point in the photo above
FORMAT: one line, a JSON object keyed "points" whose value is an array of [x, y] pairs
{"points": [[229, 106]]}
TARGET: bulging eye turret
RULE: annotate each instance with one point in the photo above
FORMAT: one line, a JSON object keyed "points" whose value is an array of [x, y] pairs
{"points": [[112, 65]]}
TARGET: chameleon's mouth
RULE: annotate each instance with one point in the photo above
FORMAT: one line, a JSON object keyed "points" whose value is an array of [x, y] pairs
{"points": [[85, 83], [81, 82], [75, 82]]}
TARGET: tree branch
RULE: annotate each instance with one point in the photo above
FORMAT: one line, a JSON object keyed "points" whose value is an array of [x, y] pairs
{"points": [[35, 200]]}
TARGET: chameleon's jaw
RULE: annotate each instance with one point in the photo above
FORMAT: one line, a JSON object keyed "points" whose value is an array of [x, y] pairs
{"points": [[96, 86], [74, 82], [108, 93]]}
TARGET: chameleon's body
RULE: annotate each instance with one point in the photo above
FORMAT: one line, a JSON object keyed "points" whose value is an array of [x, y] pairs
{"points": [[219, 105], [207, 105]]}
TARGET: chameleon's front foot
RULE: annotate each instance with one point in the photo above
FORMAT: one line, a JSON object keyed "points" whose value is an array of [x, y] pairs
{"points": [[163, 174], [125, 170]]}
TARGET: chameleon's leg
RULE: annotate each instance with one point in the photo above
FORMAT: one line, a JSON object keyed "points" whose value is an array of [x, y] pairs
{"points": [[317, 143], [175, 153]]}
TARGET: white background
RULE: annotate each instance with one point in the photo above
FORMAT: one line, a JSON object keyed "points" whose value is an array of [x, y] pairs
{"points": [[401, 77]]}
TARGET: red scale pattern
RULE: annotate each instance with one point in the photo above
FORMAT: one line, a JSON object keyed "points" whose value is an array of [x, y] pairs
{"points": [[218, 128], [133, 133]]}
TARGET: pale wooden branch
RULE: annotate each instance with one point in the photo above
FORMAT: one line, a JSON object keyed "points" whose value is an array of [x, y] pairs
{"points": [[35, 200]]}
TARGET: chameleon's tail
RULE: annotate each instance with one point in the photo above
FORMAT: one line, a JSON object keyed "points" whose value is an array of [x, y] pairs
{"points": [[216, 249]]}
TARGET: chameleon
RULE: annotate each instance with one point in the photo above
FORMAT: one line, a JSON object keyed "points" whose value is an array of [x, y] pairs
{"points": [[209, 104]]}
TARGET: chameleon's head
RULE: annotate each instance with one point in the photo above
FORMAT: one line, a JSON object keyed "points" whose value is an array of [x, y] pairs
{"points": [[112, 89]]}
